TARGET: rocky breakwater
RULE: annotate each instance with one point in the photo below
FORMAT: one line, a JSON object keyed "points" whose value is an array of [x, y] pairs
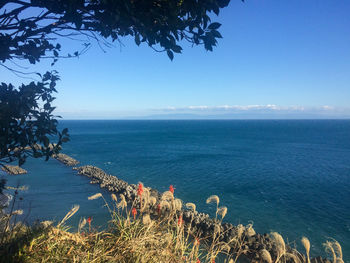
{"points": [[242, 240], [13, 169], [65, 159], [111, 183]]}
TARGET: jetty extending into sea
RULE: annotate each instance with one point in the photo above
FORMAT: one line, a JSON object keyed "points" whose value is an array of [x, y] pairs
{"points": [[202, 223]]}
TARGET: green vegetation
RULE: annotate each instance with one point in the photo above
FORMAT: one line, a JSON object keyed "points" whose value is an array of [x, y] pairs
{"points": [[142, 232]]}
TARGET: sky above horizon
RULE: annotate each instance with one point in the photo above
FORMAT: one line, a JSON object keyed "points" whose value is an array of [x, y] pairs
{"points": [[276, 58]]}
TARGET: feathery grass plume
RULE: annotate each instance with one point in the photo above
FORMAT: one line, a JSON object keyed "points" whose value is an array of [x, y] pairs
{"points": [[69, 214], [250, 230], [152, 200], [217, 230], [191, 206], [165, 205], [167, 196], [279, 240], [81, 225], [213, 198], [226, 247], [329, 249], [337, 249], [122, 204], [95, 196], [146, 194], [178, 204], [240, 230], [306, 243], [17, 212], [114, 197], [46, 223], [146, 191], [145, 199], [265, 255], [222, 211], [281, 246]]}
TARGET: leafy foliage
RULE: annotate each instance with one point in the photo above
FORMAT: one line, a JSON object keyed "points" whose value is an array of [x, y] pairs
{"points": [[27, 122], [159, 23]]}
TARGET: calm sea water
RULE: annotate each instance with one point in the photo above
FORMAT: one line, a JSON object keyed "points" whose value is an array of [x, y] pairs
{"points": [[283, 175]]}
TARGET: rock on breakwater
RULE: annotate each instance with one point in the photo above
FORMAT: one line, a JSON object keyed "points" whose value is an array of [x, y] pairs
{"points": [[13, 169], [65, 159]]}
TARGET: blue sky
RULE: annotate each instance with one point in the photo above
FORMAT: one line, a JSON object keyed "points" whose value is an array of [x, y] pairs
{"points": [[290, 57]]}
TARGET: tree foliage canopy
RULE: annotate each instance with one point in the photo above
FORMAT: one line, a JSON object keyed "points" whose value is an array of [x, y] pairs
{"points": [[25, 125], [30, 31]]}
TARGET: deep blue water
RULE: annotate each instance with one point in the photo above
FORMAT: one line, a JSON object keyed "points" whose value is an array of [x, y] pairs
{"points": [[290, 176]]}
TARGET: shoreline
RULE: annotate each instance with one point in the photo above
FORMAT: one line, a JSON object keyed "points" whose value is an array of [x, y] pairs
{"points": [[202, 222]]}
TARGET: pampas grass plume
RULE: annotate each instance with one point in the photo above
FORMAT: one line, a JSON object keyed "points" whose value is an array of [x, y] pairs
{"points": [[265, 255], [167, 195], [122, 204], [279, 242], [240, 230], [69, 214], [152, 200], [178, 204], [338, 249], [306, 243], [222, 211], [217, 229], [82, 223], [95, 196], [213, 198], [250, 230], [329, 248], [191, 206], [165, 205], [17, 212], [114, 197]]}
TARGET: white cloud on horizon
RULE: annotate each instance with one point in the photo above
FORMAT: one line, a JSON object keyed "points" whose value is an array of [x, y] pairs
{"points": [[221, 111], [243, 108]]}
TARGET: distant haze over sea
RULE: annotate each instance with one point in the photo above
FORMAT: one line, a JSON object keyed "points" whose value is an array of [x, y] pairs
{"points": [[269, 111]]}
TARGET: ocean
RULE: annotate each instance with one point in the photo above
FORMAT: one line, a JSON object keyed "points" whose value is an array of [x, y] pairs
{"points": [[289, 176]]}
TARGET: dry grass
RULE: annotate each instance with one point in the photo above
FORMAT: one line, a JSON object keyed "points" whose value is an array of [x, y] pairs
{"points": [[148, 230]]}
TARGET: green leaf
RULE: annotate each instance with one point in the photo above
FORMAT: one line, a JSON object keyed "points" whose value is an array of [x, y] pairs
{"points": [[52, 84], [177, 49], [137, 39], [46, 141], [214, 25], [170, 54], [216, 33]]}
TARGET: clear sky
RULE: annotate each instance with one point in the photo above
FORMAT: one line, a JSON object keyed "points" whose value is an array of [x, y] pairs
{"points": [[276, 56]]}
